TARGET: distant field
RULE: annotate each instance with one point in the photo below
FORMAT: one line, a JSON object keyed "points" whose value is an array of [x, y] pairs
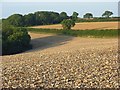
{"points": [[84, 26]]}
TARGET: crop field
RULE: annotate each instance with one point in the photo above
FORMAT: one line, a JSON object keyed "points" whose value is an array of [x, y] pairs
{"points": [[84, 26], [58, 61], [45, 47]]}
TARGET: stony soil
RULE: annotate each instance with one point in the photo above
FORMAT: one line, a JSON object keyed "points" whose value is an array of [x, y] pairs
{"points": [[63, 62]]}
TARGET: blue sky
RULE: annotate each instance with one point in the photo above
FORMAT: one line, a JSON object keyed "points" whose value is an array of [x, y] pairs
{"points": [[60, 0], [97, 8]]}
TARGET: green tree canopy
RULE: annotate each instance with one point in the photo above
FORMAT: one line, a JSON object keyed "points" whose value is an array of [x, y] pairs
{"points": [[88, 15], [29, 19], [75, 16], [55, 18], [63, 15], [107, 14], [16, 20], [67, 24], [37, 18], [45, 17]]}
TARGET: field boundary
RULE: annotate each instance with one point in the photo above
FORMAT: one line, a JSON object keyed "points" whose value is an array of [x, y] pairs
{"points": [[79, 33]]}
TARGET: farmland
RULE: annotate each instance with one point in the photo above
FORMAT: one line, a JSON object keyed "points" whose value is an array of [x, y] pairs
{"points": [[58, 61], [84, 56], [84, 26]]}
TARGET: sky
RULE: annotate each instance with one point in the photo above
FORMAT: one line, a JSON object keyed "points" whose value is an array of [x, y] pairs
{"points": [[96, 8], [60, 0]]}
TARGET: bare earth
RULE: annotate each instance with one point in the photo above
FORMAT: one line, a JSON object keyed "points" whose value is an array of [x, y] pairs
{"points": [[63, 62], [84, 26]]}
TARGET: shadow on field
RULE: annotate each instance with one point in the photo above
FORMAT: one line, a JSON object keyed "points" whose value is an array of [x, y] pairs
{"points": [[49, 41]]}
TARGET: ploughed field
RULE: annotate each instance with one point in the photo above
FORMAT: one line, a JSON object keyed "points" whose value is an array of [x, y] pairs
{"points": [[85, 26], [58, 61]]}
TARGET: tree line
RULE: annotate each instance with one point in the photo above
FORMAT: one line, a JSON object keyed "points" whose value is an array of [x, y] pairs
{"points": [[46, 18], [37, 18]]}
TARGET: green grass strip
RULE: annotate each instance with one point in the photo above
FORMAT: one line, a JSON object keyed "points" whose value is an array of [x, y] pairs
{"points": [[81, 33]]}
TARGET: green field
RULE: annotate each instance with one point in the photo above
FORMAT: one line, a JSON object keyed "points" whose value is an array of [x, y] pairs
{"points": [[81, 33]]}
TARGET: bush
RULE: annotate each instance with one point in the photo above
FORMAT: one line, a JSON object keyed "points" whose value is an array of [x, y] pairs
{"points": [[67, 24], [14, 40]]}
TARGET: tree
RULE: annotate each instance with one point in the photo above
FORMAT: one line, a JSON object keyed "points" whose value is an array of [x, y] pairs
{"points": [[63, 15], [54, 18], [46, 18], [42, 18], [16, 20], [107, 14], [74, 16], [37, 18], [88, 15], [29, 19], [67, 24]]}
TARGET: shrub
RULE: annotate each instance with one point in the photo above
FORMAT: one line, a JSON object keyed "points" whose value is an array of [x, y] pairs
{"points": [[14, 40], [67, 24]]}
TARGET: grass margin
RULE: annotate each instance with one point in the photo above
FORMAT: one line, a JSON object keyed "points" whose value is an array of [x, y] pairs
{"points": [[107, 33]]}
